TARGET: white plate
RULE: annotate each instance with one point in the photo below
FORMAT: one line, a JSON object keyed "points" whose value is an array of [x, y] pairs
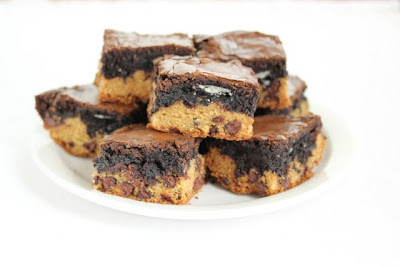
{"points": [[212, 202]]}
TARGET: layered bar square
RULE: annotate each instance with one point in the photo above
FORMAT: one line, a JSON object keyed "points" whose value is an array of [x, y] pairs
{"points": [[261, 52], [201, 97], [281, 154], [126, 63], [77, 121], [296, 88], [143, 164]]}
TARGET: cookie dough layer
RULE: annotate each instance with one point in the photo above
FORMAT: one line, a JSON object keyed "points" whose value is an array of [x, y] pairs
{"points": [[202, 121], [223, 168], [160, 192], [302, 109], [72, 136], [97, 77], [134, 88], [275, 96]]}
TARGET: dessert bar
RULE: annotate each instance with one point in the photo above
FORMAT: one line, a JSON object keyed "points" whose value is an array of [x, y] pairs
{"points": [[299, 107], [126, 63], [201, 97], [140, 163], [77, 121], [281, 154], [261, 52]]}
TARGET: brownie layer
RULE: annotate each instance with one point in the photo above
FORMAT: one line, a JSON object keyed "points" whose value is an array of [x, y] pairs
{"points": [[144, 154], [204, 81], [192, 93], [81, 101], [277, 141], [123, 53]]}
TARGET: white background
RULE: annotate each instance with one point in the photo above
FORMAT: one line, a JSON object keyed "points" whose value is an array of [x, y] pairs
{"points": [[349, 54]]}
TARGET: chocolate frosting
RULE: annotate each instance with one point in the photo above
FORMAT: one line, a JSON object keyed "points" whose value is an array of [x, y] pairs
{"points": [[295, 86], [232, 70], [88, 95], [139, 135], [273, 127], [240, 45], [84, 93], [131, 40], [81, 101]]}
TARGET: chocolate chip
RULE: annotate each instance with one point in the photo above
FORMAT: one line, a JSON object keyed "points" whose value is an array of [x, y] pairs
{"points": [[97, 180], [143, 193], [218, 119], [261, 188], [233, 127], [284, 182], [109, 182], [167, 198], [213, 130], [197, 184], [133, 176], [253, 177], [127, 189], [169, 181], [71, 144], [91, 147], [174, 130]]}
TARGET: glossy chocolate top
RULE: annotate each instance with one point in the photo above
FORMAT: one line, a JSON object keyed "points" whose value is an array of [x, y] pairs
{"points": [[273, 127], [87, 95], [131, 40], [295, 86], [84, 93], [240, 45], [138, 135], [232, 70]]}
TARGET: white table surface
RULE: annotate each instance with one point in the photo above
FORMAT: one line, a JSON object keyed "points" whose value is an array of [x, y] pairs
{"points": [[349, 56]]}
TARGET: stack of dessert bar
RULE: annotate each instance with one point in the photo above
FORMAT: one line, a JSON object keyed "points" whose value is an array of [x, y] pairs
{"points": [[220, 107]]}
